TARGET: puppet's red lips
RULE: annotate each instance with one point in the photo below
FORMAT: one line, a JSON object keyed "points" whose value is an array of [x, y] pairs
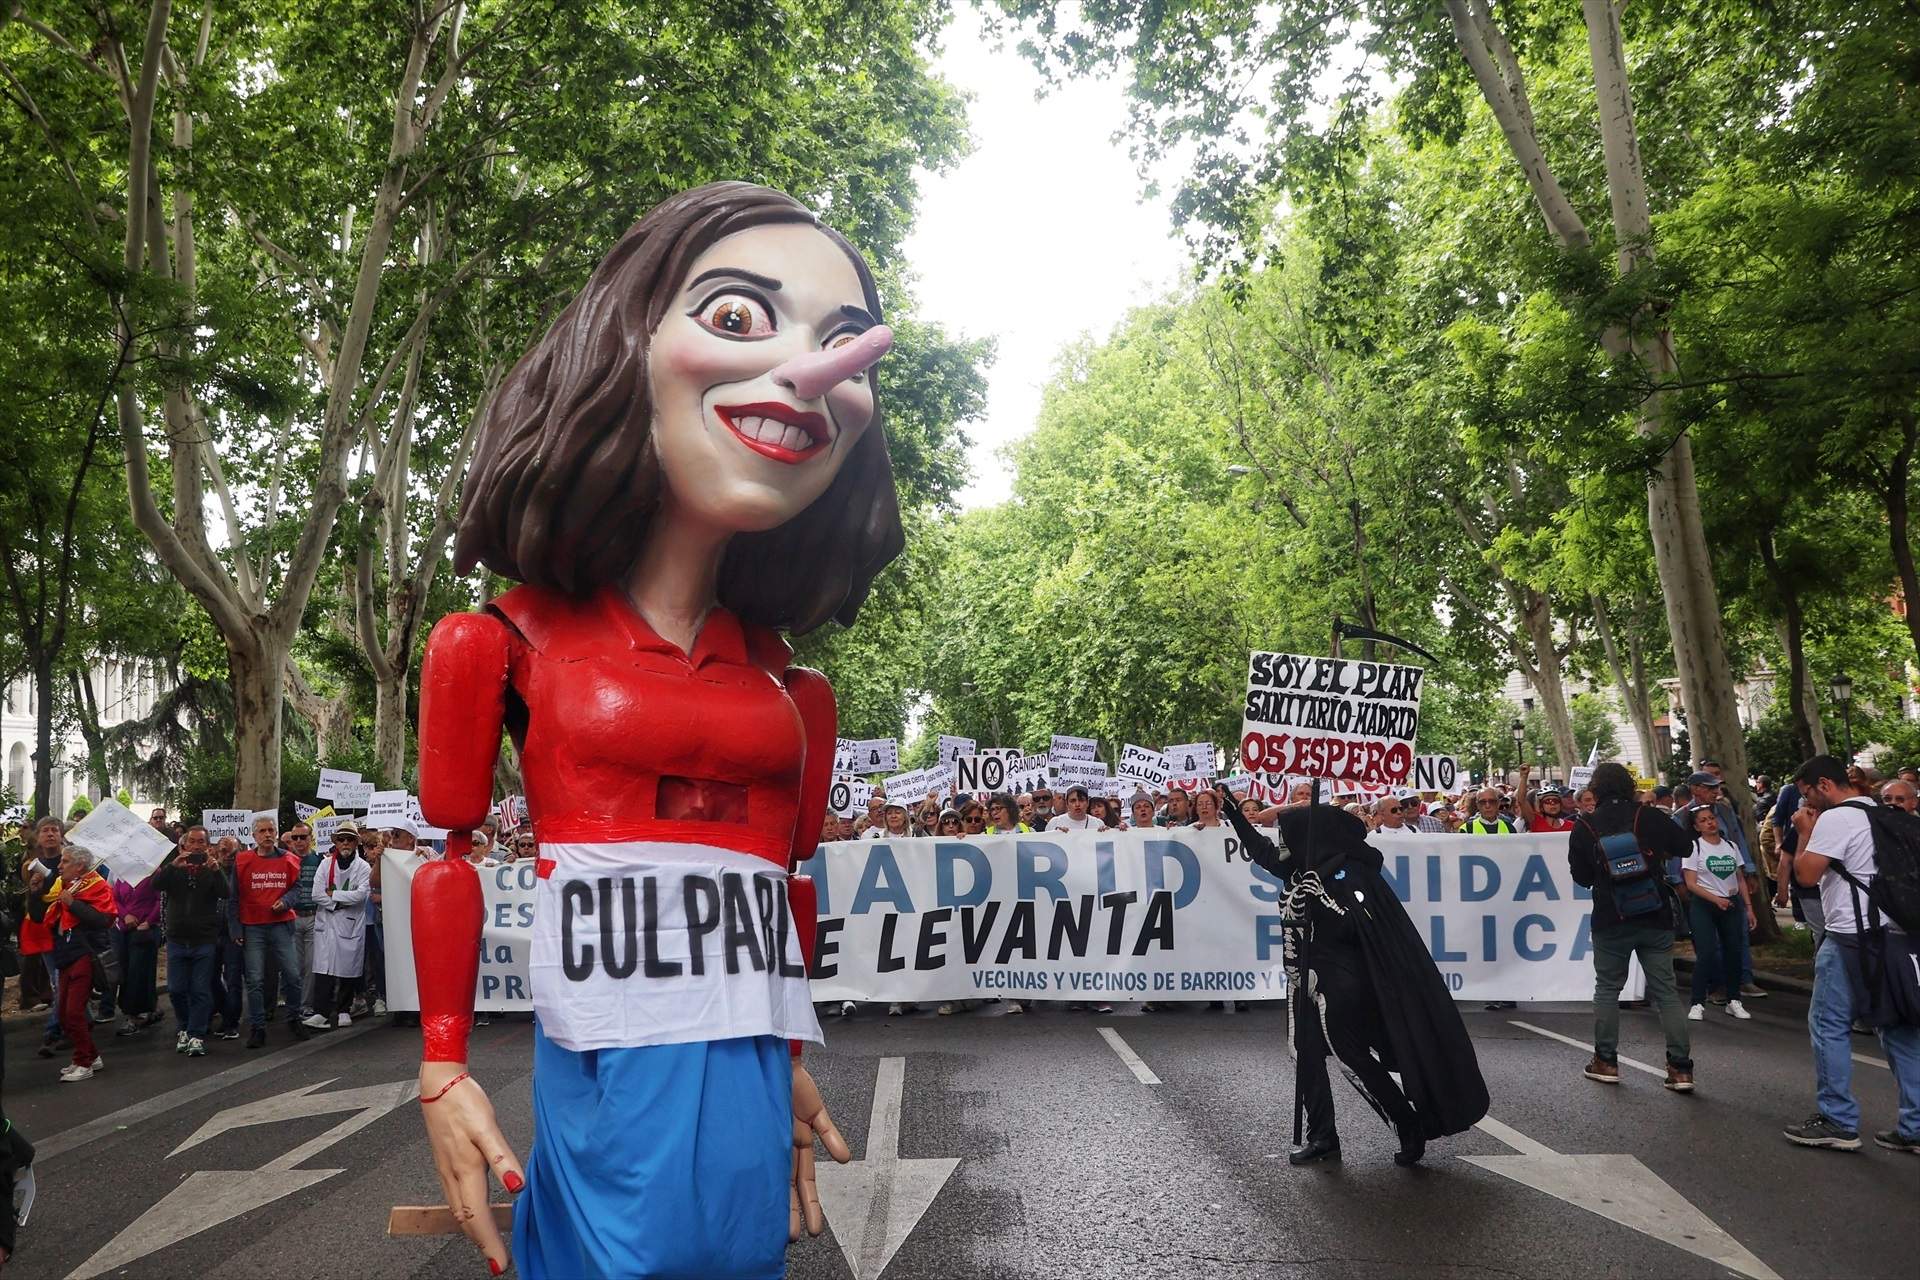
{"points": [[775, 430]]}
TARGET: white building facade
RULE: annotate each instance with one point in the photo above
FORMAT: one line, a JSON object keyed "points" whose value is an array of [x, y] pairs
{"points": [[124, 691]]}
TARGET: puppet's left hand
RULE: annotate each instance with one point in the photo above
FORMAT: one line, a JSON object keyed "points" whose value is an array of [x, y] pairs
{"points": [[809, 1118]]}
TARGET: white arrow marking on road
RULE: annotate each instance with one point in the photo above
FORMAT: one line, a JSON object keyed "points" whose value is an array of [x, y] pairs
{"points": [[1621, 1189], [873, 1204], [210, 1197]]}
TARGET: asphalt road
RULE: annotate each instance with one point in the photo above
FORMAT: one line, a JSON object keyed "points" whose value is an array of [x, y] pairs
{"points": [[1041, 1151]]}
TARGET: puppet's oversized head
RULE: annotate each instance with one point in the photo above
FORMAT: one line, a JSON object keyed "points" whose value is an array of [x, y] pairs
{"points": [[717, 368]]}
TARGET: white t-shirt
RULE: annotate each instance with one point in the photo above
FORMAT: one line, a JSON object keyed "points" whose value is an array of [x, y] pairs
{"points": [[1063, 822], [1717, 866], [1843, 835], [1395, 833]]}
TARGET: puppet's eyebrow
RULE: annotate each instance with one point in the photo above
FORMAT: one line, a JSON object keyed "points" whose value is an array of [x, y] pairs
{"points": [[765, 282], [859, 315]]}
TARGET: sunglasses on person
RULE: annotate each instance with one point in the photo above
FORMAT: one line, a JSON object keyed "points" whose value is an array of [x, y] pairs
{"points": [[348, 836], [975, 819], [296, 835]]}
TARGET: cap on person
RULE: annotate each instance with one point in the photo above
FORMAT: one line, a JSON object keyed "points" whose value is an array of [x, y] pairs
{"points": [[1662, 791], [1702, 779], [894, 804]]}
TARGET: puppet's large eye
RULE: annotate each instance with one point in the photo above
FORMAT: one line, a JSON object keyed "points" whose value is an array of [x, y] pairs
{"points": [[738, 316]]}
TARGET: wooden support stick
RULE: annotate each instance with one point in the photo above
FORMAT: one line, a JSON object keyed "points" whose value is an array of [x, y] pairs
{"points": [[437, 1220]]}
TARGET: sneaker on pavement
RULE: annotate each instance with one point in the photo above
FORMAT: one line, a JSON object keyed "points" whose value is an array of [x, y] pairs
{"points": [[1697, 1014], [1894, 1140], [196, 1047], [1737, 1010], [72, 1074], [1752, 992], [846, 1008], [379, 1008], [346, 1019], [1679, 1081], [945, 1009], [128, 1028], [1493, 1005], [25, 1187], [231, 1033], [180, 1043], [1014, 1006], [1818, 1131], [1103, 1008], [99, 1063], [316, 1022], [1603, 1071], [894, 1010]]}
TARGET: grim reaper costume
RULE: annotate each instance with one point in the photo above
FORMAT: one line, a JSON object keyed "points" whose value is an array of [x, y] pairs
{"points": [[1361, 984]]}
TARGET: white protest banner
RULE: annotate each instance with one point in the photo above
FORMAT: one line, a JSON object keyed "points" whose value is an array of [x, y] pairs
{"points": [[227, 822], [506, 936], [1082, 773], [1170, 915], [1330, 718], [952, 748], [331, 780], [1190, 760], [1142, 765], [121, 839], [1435, 773], [353, 795], [303, 810], [875, 755], [1580, 777], [1069, 748], [1024, 773], [1132, 915], [389, 808], [974, 774]]}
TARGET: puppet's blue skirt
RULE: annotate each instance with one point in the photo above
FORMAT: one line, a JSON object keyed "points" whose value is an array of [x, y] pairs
{"points": [[660, 1161]]}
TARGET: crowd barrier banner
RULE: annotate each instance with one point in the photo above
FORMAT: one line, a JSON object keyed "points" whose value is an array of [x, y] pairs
{"points": [[1125, 915]]}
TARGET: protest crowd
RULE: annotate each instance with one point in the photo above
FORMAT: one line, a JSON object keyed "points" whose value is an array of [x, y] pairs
{"points": [[240, 934]]}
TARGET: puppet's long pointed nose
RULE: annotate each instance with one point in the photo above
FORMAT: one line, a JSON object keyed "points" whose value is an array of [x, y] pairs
{"points": [[813, 375]]}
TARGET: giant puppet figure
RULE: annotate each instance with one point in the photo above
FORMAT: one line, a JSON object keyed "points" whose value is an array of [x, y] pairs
{"points": [[690, 462]]}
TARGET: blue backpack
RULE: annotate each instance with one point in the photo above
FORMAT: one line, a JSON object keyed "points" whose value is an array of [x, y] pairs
{"points": [[1631, 875]]}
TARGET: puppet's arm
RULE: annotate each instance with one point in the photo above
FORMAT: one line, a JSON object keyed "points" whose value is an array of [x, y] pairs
{"points": [[463, 703], [463, 692], [813, 697]]}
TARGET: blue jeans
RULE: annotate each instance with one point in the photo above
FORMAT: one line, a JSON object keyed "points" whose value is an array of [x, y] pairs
{"points": [[53, 985], [1717, 936], [190, 986], [278, 938], [229, 981], [1830, 1024]]}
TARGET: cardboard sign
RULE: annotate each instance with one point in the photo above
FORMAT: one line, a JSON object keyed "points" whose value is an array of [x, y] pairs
{"points": [[975, 774], [1083, 773], [1066, 748], [1580, 777], [1142, 765], [872, 755], [390, 809], [331, 780], [952, 748], [123, 842], [1336, 718], [323, 829], [237, 823], [1239, 784], [353, 795], [304, 811], [1190, 760], [1435, 773], [911, 788], [1024, 773]]}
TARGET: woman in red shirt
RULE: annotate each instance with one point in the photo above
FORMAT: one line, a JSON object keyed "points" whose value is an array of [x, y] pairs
{"points": [[688, 463]]}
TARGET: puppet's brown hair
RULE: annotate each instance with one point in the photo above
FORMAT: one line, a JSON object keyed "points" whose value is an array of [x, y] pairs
{"points": [[565, 478]]}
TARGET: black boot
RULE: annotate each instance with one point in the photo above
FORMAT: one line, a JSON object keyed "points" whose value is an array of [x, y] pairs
{"points": [[1412, 1146], [1326, 1147], [256, 1038], [299, 1029]]}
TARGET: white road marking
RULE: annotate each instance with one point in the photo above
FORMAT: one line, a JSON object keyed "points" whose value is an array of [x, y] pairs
{"points": [[1141, 1071], [210, 1197], [1620, 1189], [126, 1117], [874, 1203], [1623, 1060], [1872, 1061]]}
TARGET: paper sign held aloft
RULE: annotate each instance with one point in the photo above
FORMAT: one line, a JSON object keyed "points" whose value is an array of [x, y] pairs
{"points": [[1435, 773], [1336, 718], [953, 747], [333, 779], [868, 756], [1190, 760], [227, 822], [390, 809], [1071, 748], [303, 811], [1142, 765], [353, 795], [121, 840]]}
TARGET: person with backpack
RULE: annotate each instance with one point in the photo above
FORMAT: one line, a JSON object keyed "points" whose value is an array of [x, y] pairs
{"points": [[1866, 859], [1620, 851]]}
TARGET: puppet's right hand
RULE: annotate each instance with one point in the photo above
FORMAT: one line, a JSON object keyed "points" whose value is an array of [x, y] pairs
{"points": [[466, 1143]]}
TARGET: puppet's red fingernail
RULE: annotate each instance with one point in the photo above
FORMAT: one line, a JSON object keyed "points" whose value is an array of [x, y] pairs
{"points": [[494, 1267], [513, 1182]]}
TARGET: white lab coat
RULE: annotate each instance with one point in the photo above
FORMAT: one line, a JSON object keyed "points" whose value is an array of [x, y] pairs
{"points": [[340, 918]]}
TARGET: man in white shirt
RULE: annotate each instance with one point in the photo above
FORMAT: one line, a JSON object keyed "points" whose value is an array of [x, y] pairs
{"points": [[1390, 818], [1076, 818], [1842, 837]]}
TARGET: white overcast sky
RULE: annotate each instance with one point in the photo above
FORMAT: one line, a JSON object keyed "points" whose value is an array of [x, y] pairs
{"points": [[1040, 235]]}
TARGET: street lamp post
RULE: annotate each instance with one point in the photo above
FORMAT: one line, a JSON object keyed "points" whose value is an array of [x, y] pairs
{"points": [[1842, 686], [1519, 731], [1484, 755]]}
